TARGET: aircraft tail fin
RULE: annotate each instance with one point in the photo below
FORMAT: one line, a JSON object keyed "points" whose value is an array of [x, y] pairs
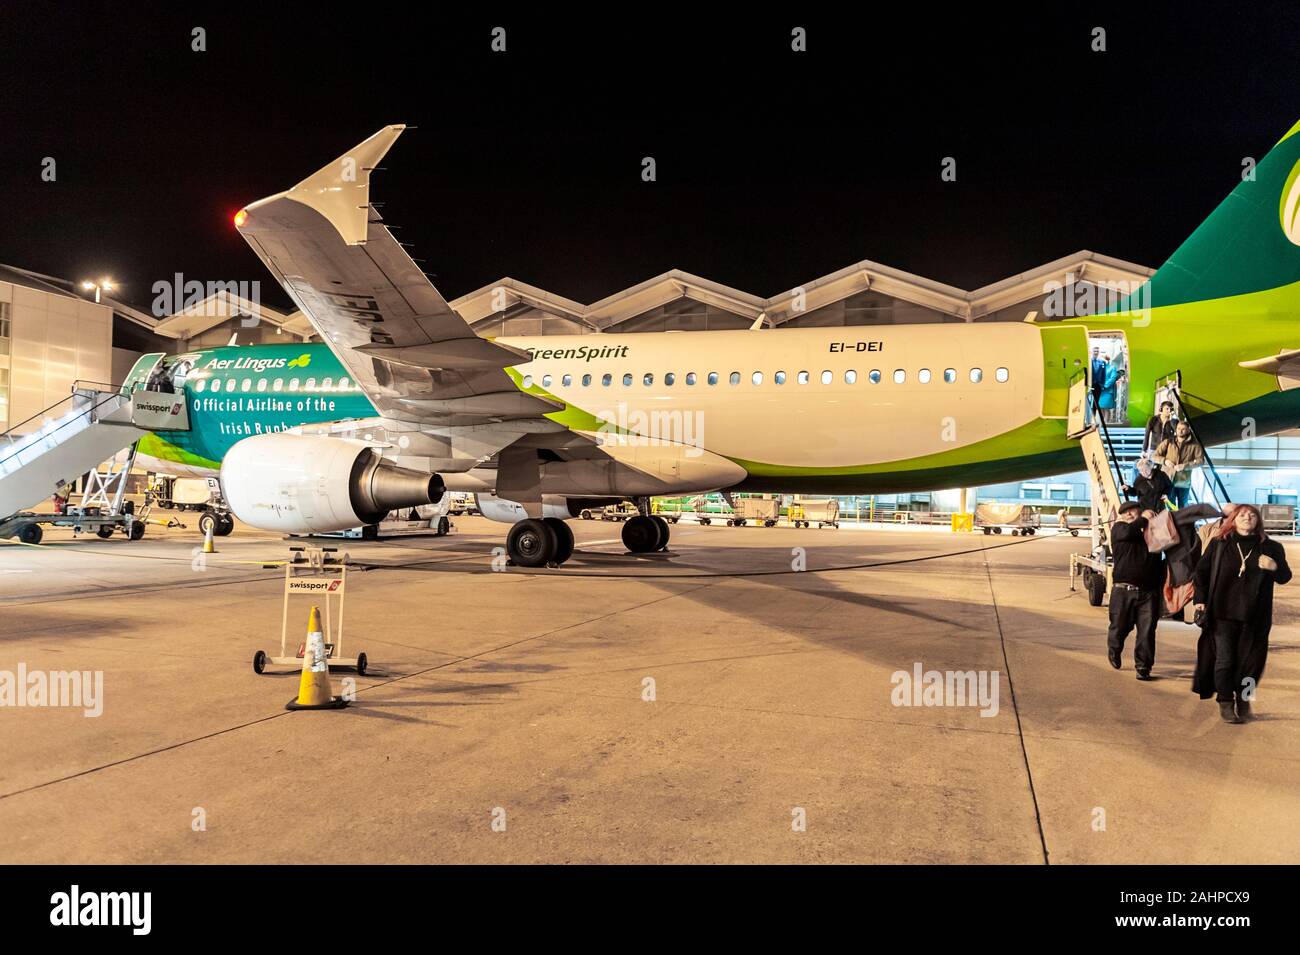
{"points": [[1250, 243]]}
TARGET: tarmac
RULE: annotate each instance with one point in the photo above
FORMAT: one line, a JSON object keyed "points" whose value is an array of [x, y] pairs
{"points": [[736, 699]]}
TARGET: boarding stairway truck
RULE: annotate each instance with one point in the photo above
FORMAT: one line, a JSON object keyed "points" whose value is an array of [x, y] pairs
{"points": [[51, 450], [1109, 454]]}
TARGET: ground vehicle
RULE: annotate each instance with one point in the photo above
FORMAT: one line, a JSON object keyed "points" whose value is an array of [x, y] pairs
{"points": [[463, 503], [1020, 518], [614, 512], [756, 510], [826, 513], [182, 494], [26, 525], [671, 509], [193, 494]]}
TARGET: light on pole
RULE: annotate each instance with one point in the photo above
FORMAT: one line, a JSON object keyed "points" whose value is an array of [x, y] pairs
{"points": [[105, 285]]}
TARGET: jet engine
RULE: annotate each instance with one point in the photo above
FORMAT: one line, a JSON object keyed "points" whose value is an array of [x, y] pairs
{"points": [[301, 484]]}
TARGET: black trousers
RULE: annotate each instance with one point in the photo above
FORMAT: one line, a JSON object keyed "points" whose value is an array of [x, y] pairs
{"points": [[1140, 608], [1236, 653]]}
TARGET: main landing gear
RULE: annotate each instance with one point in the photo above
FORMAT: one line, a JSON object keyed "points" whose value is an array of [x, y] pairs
{"points": [[547, 541], [537, 542], [645, 534]]}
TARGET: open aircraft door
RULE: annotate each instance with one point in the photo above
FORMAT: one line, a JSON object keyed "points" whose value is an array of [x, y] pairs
{"points": [[1065, 374]]}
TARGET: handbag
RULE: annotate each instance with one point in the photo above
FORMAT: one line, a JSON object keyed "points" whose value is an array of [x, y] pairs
{"points": [[1160, 533]]}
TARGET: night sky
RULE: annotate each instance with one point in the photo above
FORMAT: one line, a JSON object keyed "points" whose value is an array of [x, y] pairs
{"points": [[774, 167]]}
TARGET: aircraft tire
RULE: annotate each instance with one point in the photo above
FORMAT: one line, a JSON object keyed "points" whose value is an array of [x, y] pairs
{"points": [[531, 543], [563, 539], [664, 531], [641, 535]]}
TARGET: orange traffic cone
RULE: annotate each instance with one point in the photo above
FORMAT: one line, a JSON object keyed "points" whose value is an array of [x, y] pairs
{"points": [[314, 691]]}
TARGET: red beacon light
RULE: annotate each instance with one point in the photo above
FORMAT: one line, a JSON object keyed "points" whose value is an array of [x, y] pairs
{"points": [[241, 217]]}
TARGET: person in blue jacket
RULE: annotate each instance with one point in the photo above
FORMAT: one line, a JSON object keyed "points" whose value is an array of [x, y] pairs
{"points": [[1110, 386]]}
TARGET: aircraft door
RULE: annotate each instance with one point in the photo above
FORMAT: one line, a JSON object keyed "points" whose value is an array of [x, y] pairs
{"points": [[1065, 368]]}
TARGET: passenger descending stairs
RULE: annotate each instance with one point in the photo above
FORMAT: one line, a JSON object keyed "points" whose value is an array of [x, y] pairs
{"points": [[1123, 447], [62, 443]]}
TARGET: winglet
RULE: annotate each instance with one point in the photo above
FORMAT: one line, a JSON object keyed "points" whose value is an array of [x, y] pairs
{"points": [[340, 191], [1272, 364]]}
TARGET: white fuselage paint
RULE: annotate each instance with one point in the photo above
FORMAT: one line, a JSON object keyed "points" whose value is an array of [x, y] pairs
{"points": [[809, 425]]}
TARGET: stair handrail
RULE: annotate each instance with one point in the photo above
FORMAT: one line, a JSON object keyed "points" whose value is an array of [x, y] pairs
{"points": [[1177, 392], [1111, 457], [30, 437]]}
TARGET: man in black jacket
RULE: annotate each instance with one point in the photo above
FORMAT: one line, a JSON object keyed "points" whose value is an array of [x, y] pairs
{"points": [[1135, 596]]}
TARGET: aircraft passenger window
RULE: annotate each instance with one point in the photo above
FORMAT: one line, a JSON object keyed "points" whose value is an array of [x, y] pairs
{"points": [[326, 384], [779, 377], [900, 376], [827, 377], [606, 380], [713, 377], [923, 376], [627, 380], [546, 381], [1002, 374], [874, 376], [279, 385], [648, 380], [586, 380], [566, 381], [343, 384], [756, 377], [528, 381], [198, 385], [690, 377], [803, 377], [734, 378], [669, 378], [293, 384], [850, 377], [248, 384], [977, 375], [950, 375], [309, 384], [261, 384]]}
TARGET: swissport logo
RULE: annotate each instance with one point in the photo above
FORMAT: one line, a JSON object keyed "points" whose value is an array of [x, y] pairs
{"points": [[157, 407], [307, 585]]}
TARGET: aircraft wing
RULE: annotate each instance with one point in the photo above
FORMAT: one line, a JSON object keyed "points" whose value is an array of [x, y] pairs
{"points": [[406, 348]]}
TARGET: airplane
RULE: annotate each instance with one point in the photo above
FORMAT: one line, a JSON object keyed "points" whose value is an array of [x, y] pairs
{"points": [[401, 401]]}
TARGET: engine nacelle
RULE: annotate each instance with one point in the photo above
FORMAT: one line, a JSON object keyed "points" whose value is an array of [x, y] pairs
{"points": [[302, 483], [565, 508]]}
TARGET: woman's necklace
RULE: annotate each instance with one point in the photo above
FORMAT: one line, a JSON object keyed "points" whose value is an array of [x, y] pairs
{"points": [[1244, 557]]}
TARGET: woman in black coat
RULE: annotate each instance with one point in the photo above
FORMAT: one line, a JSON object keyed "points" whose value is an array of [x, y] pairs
{"points": [[1234, 588], [1150, 487]]}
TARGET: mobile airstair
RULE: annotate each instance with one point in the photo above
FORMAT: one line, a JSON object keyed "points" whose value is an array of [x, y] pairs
{"points": [[94, 424], [1110, 454]]}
